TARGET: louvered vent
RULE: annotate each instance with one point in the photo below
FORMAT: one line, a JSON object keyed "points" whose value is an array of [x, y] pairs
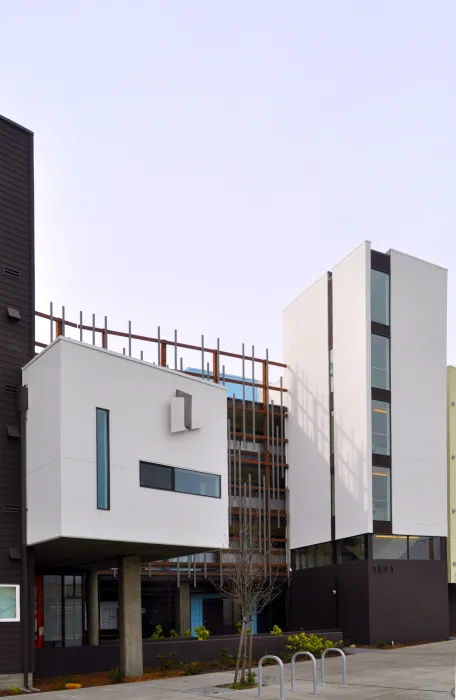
{"points": [[11, 272], [12, 509], [10, 389]]}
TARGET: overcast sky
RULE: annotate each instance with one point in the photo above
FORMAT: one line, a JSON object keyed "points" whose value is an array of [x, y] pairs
{"points": [[198, 163]]}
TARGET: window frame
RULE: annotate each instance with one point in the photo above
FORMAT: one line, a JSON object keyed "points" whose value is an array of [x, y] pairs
{"points": [[386, 371], [387, 475], [173, 469], [388, 432], [387, 277], [106, 412], [17, 589]]}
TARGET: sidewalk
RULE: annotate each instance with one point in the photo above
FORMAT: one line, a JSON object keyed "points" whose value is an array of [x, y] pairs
{"points": [[413, 673]]}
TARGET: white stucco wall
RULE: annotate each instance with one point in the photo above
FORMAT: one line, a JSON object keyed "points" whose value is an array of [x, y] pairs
{"points": [[307, 380], [352, 393], [418, 396], [67, 382]]}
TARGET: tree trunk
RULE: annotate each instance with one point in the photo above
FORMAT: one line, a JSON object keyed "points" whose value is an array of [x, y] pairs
{"points": [[241, 644], [250, 645], [244, 651]]}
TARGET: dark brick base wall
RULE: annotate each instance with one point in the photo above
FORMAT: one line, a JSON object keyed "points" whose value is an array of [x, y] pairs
{"points": [[74, 660]]}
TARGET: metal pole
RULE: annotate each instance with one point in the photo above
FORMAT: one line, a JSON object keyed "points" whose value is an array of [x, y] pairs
{"points": [[230, 500], [282, 451], [129, 338], [314, 669], [344, 665], [80, 327], [243, 394], [158, 345], [253, 396], [202, 357], [63, 321], [93, 330], [260, 676], [51, 314], [175, 348]]}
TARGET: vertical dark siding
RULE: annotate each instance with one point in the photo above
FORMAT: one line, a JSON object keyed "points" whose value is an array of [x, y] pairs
{"points": [[16, 348]]}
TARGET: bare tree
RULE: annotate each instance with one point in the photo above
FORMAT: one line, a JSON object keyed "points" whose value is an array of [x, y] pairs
{"points": [[249, 580]]}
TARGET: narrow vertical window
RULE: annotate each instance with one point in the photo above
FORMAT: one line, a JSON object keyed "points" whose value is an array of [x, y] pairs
{"points": [[103, 500], [380, 301]]}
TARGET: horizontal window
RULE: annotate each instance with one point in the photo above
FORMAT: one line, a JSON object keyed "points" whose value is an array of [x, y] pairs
{"points": [[9, 603], [407, 547], [158, 476], [352, 549], [381, 439]]}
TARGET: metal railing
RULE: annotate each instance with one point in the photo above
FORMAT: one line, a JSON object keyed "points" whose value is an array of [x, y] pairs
{"points": [[344, 666], [260, 675], [314, 669]]}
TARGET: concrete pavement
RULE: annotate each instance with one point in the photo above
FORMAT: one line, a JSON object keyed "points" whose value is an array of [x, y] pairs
{"points": [[416, 673]]}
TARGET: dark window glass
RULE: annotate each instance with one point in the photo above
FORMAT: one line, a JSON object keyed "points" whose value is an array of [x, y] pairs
{"points": [[324, 554], [381, 493], [380, 303], [389, 547], [380, 362], [155, 476], [198, 483], [103, 459], [352, 548], [381, 437], [425, 547]]}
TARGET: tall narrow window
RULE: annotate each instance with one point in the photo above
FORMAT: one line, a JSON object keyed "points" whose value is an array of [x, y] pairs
{"points": [[381, 493], [381, 438], [380, 303], [103, 500], [380, 362]]}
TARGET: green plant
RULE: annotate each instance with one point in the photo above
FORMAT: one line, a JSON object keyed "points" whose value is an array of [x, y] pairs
{"points": [[250, 678], [312, 643], [202, 633], [190, 669], [187, 633], [173, 634], [225, 659], [239, 628], [380, 643], [158, 634], [276, 631], [16, 691], [166, 662], [115, 675]]}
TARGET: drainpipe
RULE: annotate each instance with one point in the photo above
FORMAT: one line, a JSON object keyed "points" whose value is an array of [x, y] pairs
{"points": [[25, 612]]}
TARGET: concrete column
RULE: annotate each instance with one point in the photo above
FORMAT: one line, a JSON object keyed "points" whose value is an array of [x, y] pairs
{"points": [[183, 607], [130, 619], [93, 612]]}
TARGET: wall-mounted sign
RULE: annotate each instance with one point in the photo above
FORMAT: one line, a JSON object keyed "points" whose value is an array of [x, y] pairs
{"points": [[383, 569], [182, 417]]}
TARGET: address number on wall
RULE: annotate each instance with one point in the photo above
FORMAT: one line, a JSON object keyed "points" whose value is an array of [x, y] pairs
{"points": [[383, 569]]}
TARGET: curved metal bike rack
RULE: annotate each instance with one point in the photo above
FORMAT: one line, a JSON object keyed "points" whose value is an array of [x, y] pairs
{"points": [[314, 669], [260, 675], [344, 666]]}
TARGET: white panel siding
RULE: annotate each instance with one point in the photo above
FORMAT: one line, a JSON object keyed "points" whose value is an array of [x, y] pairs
{"points": [[138, 397], [352, 391], [418, 391], [307, 381]]}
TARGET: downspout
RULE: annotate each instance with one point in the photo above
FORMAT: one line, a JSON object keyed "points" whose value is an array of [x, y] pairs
{"points": [[25, 612]]}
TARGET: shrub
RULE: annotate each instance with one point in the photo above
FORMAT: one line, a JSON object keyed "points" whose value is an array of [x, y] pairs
{"points": [[276, 631], [190, 669], [16, 691], [187, 633], [166, 662], [225, 659], [173, 634], [312, 643], [239, 628], [250, 678], [116, 675], [380, 643], [202, 633], [158, 634]]}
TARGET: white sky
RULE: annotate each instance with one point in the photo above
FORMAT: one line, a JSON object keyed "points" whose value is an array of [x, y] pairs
{"points": [[200, 162]]}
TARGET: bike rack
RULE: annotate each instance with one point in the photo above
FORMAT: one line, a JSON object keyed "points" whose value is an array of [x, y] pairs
{"points": [[314, 669], [344, 666], [260, 675]]}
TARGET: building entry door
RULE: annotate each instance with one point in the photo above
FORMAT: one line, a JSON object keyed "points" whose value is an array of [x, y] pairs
{"points": [[213, 615]]}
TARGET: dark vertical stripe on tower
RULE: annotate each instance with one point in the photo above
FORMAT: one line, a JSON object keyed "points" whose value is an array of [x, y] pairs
{"points": [[16, 349]]}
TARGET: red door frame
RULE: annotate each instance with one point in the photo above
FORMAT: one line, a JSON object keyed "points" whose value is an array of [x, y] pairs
{"points": [[39, 622]]}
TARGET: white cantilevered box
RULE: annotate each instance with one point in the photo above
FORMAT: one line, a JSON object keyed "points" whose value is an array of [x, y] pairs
{"points": [[122, 457]]}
